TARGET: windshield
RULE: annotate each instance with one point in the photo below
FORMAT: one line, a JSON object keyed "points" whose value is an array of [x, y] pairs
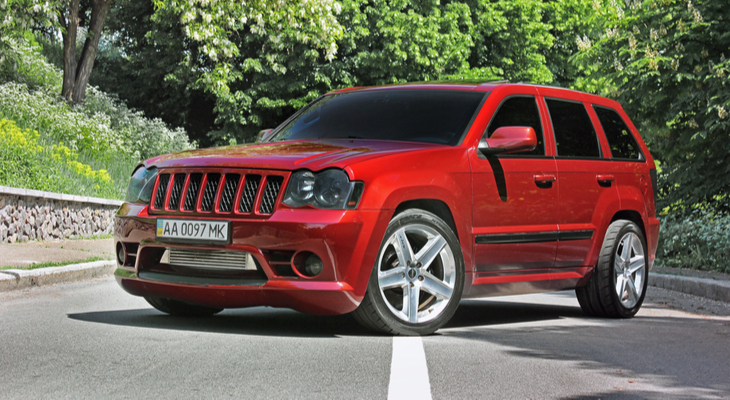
{"points": [[432, 116]]}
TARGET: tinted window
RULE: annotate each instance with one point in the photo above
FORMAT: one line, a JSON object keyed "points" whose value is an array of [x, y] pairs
{"points": [[620, 139], [574, 133], [433, 116], [519, 111]]}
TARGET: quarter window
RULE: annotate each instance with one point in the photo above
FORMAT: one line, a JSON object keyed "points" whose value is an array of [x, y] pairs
{"points": [[622, 142], [574, 132], [519, 111]]}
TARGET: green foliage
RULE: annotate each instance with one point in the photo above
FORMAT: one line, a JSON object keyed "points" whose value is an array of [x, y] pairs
{"points": [[700, 240], [28, 164], [76, 142], [666, 63], [217, 70], [18, 16]]}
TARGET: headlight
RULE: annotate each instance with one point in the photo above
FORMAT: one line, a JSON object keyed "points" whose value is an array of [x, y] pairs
{"points": [[330, 189], [141, 185]]}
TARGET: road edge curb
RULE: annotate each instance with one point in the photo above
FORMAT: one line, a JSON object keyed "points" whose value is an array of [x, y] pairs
{"points": [[711, 289], [15, 279]]}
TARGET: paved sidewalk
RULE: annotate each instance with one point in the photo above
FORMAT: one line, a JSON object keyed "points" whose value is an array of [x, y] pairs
{"points": [[22, 255]]}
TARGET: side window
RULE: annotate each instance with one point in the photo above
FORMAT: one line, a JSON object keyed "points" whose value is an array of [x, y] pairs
{"points": [[622, 142], [574, 132], [519, 111]]}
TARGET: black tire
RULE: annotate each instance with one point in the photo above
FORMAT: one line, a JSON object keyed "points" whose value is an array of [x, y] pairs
{"points": [[446, 267], [600, 297], [180, 308]]}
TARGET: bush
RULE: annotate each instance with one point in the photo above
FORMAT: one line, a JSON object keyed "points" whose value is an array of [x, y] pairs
{"points": [[27, 163], [700, 241]]}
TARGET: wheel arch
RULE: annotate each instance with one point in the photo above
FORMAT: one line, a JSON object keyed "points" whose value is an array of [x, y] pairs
{"points": [[435, 206], [633, 216]]}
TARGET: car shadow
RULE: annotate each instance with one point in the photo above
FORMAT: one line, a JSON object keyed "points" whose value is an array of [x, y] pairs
{"points": [[252, 321], [289, 323]]}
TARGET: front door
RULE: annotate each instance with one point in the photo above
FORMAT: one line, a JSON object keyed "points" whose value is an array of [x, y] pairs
{"points": [[515, 203]]}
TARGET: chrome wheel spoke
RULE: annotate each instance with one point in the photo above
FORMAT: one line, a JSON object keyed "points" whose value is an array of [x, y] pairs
{"points": [[403, 248], [413, 296], [620, 286], [633, 295], [430, 251], [636, 264], [435, 286], [392, 278], [618, 264], [626, 253]]}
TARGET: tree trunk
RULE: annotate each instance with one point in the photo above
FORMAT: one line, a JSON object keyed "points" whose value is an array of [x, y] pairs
{"points": [[76, 74], [69, 48], [88, 54]]}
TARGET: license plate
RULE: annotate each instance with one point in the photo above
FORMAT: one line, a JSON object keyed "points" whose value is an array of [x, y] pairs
{"points": [[193, 231]]}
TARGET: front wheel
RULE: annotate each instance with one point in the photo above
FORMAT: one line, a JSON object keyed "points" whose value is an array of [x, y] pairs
{"points": [[417, 279], [181, 308], [618, 285]]}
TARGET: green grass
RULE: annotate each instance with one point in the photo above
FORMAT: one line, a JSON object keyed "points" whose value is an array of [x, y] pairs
{"points": [[55, 264]]}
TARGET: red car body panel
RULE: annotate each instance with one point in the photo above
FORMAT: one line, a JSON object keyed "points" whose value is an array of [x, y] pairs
{"points": [[579, 202]]}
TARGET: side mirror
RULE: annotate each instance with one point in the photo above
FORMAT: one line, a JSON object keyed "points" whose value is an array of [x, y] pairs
{"points": [[509, 139], [264, 135]]}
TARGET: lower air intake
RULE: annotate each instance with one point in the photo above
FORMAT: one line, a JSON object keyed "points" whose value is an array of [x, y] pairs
{"points": [[210, 259]]}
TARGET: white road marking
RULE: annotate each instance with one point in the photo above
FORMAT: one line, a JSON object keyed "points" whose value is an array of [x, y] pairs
{"points": [[408, 370]]}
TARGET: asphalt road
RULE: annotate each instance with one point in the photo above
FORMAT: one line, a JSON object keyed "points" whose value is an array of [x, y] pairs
{"points": [[91, 340]]}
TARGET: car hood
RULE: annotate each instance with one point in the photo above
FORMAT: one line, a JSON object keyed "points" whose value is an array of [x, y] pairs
{"points": [[310, 154]]}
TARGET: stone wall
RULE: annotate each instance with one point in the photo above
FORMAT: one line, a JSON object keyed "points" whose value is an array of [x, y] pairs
{"points": [[34, 215]]}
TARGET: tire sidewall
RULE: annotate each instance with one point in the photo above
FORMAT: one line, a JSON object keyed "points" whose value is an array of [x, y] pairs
{"points": [[623, 311], [405, 218]]}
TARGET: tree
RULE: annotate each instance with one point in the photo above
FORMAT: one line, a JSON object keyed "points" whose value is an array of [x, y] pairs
{"points": [[666, 62], [186, 57]]}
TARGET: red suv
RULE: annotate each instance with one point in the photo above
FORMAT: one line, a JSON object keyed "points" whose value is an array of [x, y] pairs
{"points": [[393, 203]]}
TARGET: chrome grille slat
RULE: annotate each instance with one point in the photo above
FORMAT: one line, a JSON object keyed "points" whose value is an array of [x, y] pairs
{"points": [[271, 192], [211, 188], [210, 259], [191, 198], [161, 191], [229, 192], [248, 194], [176, 191]]}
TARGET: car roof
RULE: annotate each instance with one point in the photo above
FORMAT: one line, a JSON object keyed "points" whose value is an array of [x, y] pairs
{"points": [[477, 86], [461, 84]]}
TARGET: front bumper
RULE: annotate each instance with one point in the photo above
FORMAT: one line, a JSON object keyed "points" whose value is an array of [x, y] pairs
{"points": [[346, 241]]}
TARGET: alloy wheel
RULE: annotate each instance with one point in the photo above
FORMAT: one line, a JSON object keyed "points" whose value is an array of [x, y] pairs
{"points": [[416, 273], [629, 269]]}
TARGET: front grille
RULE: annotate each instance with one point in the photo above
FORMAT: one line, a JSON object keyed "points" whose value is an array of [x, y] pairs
{"points": [[162, 190], [191, 198], [211, 187], [211, 259], [176, 191], [229, 192], [248, 195], [217, 191], [268, 200]]}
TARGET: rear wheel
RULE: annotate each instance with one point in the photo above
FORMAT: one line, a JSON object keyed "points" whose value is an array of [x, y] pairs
{"points": [[618, 285], [181, 308], [417, 279]]}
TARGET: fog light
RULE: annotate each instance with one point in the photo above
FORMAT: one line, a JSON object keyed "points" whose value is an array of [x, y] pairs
{"points": [[121, 257], [313, 265]]}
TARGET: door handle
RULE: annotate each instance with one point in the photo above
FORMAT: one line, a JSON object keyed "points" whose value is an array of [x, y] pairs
{"points": [[545, 178], [605, 178]]}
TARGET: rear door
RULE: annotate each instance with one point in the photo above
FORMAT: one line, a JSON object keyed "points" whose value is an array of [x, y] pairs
{"points": [[515, 199], [587, 188]]}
